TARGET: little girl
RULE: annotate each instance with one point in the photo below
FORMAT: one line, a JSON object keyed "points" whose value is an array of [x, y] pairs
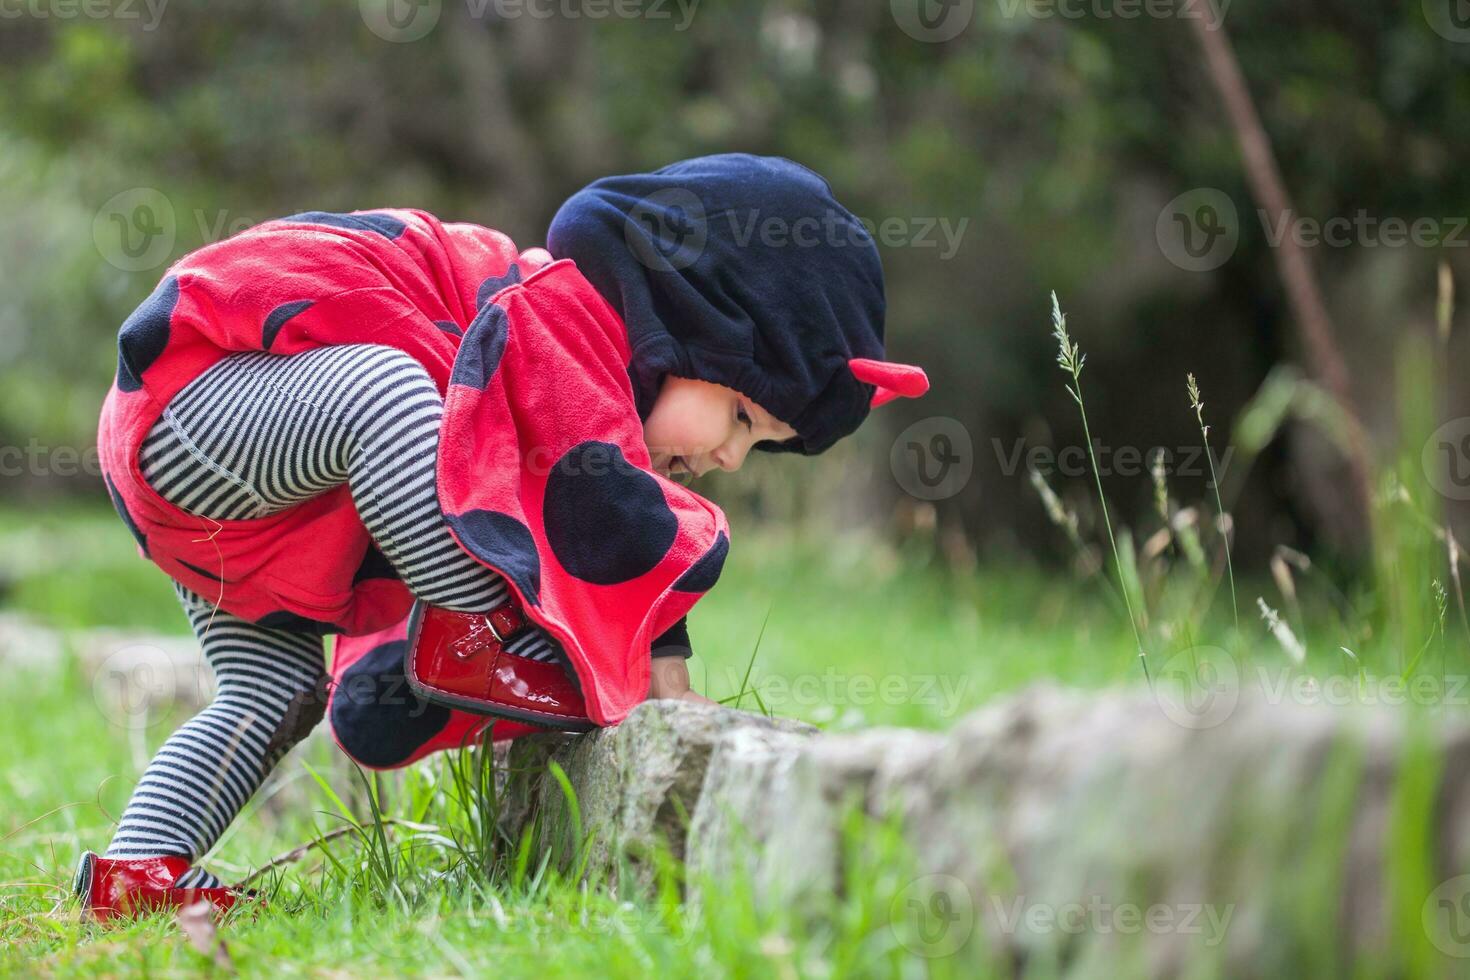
{"points": [[323, 419]]}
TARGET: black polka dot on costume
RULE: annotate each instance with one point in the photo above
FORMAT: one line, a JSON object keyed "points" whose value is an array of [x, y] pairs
{"points": [[122, 511], [278, 318], [376, 716], [384, 224], [495, 284], [703, 574], [293, 623], [481, 349], [607, 520], [449, 327], [374, 565], [144, 334], [503, 543]]}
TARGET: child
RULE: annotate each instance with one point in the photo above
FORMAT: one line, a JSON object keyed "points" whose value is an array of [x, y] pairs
{"points": [[329, 416]]}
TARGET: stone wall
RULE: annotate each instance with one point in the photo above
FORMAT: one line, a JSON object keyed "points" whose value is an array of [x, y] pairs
{"points": [[1080, 829]]}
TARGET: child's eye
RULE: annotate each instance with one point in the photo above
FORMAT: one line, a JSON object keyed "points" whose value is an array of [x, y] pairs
{"points": [[740, 414]]}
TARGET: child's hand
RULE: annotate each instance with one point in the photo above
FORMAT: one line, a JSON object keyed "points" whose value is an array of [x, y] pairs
{"points": [[671, 680]]}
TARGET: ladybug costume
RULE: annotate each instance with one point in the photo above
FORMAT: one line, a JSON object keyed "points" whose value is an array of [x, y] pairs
{"points": [[547, 362]]}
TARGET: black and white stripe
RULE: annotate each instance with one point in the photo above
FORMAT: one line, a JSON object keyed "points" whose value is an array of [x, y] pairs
{"points": [[259, 432], [203, 775]]}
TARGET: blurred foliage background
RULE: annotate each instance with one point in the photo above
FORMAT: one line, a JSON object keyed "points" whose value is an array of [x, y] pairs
{"points": [[1035, 150]]}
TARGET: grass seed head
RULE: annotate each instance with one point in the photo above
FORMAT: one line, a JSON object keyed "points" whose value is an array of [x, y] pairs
{"points": [[1056, 511], [1283, 633], [1157, 473], [1445, 308], [1069, 358], [1197, 404]]}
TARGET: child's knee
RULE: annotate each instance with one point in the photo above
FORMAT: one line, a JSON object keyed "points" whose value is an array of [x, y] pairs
{"points": [[303, 713]]}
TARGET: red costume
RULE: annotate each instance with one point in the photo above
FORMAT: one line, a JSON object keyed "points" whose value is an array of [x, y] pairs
{"points": [[543, 473], [547, 369]]}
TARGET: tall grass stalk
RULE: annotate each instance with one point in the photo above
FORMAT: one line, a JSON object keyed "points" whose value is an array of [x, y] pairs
{"points": [[1066, 519], [1070, 359], [739, 695], [1204, 432]]}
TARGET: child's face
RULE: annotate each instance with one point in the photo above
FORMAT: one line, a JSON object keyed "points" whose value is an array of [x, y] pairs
{"points": [[696, 426]]}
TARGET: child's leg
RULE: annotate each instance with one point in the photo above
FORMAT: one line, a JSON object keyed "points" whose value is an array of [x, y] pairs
{"points": [[251, 436], [271, 692], [260, 432]]}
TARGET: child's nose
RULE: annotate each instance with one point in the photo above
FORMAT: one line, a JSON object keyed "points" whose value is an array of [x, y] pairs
{"points": [[729, 458]]}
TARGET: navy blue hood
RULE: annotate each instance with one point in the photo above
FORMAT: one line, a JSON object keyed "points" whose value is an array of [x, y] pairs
{"points": [[740, 270]]}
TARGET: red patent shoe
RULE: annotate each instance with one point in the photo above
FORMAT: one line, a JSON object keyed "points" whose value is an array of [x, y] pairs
{"points": [[118, 888], [459, 660]]}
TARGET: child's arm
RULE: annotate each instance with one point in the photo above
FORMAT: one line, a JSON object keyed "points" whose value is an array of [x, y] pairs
{"points": [[671, 652], [671, 680]]}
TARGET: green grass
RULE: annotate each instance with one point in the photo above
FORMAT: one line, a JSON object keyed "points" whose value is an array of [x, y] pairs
{"points": [[859, 633]]}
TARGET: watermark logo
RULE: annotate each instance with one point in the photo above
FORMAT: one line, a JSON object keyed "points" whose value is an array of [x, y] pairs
{"points": [[400, 21], [933, 459], [1446, 459], [1446, 917], [933, 21], [1198, 230], [1201, 687], [135, 230], [667, 230], [1198, 688], [133, 685], [1450, 19], [933, 916]]}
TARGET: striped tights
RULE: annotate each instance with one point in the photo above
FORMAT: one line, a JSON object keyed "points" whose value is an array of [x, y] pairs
{"points": [[253, 435]]}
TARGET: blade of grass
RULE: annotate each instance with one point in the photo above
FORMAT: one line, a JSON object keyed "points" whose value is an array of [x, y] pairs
{"points": [[1071, 360]]}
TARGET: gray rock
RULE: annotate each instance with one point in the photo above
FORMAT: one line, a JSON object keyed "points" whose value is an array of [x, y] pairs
{"points": [[740, 804], [1080, 833], [829, 777], [636, 786], [1099, 809]]}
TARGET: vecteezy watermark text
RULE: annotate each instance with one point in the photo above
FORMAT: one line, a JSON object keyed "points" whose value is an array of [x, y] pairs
{"points": [[1212, 12], [670, 229], [1200, 230], [1075, 461], [934, 916], [1366, 230], [1201, 687], [1099, 916], [938, 21], [402, 21], [152, 10], [38, 459], [943, 692]]}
